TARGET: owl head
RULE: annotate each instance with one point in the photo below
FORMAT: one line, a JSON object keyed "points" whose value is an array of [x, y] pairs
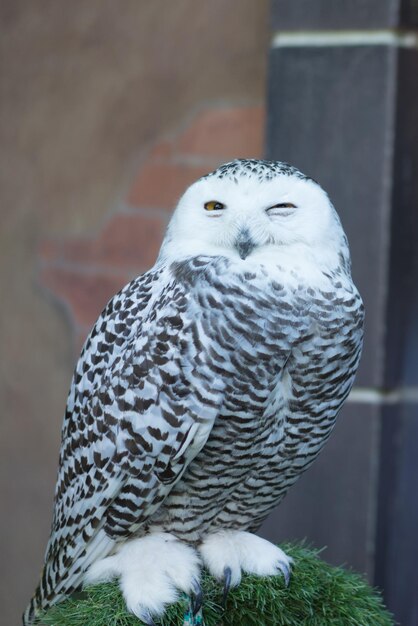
{"points": [[256, 211]]}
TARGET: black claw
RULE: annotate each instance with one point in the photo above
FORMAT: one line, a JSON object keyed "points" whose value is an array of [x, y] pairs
{"points": [[285, 570], [147, 619], [227, 584], [196, 597]]}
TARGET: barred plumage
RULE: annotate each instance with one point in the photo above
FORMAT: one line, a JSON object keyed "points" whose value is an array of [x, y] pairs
{"points": [[210, 383]]}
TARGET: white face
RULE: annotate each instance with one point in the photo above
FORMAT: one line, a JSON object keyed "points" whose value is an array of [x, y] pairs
{"points": [[246, 217]]}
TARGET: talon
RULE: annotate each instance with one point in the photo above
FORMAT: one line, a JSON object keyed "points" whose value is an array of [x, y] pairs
{"points": [[147, 619], [227, 584], [285, 570], [196, 597]]}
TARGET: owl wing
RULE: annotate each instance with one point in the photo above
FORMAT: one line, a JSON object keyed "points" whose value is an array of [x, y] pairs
{"points": [[137, 414], [319, 375], [322, 370]]}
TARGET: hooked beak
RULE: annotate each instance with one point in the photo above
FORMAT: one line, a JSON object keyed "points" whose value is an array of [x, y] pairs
{"points": [[244, 244]]}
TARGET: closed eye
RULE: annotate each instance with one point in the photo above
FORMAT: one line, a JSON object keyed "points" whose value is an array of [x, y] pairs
{"points": [[283, 209]]}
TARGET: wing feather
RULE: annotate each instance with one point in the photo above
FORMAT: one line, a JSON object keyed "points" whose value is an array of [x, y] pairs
{"points": [[133, 424]]}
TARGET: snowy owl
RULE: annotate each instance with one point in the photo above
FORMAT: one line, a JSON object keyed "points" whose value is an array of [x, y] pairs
{"points": [[205, 389]]}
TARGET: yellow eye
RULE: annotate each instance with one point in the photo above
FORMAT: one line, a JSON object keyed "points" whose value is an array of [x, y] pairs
{"points": [[214, 205]]}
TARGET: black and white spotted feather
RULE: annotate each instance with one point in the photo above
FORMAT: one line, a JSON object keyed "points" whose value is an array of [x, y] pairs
{"points": [[211, 382]]}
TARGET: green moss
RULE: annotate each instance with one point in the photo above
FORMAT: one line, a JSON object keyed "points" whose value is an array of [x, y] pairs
{"points": [[318, 595]]}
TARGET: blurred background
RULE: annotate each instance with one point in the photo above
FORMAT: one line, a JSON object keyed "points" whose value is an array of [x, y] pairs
{"points": [[108, 111]]}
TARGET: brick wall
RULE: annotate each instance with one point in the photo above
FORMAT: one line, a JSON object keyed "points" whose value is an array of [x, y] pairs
{"points": [[83, 273]]}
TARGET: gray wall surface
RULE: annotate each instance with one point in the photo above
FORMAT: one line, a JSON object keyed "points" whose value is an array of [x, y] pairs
{"points": [[343, 106]]}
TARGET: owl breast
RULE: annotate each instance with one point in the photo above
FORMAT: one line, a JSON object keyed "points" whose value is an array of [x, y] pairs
{"points": [[280, 351]]}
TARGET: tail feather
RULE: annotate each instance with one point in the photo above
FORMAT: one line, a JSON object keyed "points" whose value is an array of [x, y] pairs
{"points": [[33, 610], [57, 585], [29, 615]]}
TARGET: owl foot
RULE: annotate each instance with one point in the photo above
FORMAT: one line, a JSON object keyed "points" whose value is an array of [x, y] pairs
{"points": [[147, 619], [228, 553], [227, 584], [153, 570], [196, 597]]}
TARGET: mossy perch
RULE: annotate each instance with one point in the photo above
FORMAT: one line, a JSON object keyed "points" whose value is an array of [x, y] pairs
{"points": [[318, 595]]}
